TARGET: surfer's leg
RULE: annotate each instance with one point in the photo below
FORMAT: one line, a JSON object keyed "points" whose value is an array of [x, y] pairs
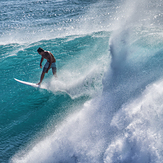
{"points": [[41, 78], [43, 72], [54, 70]]}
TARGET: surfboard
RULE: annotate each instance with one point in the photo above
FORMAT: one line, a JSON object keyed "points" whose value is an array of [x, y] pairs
{"points": [[43, 87], [28, 83]]}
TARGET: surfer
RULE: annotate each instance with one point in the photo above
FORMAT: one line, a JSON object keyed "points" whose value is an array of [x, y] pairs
{"points": [[51, 63]]}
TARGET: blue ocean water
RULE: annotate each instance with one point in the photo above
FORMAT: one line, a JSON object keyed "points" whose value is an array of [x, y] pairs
{"points": [[106, 105]]}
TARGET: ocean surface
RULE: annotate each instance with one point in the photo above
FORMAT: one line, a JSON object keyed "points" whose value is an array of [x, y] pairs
{"points": [[106, 106]]}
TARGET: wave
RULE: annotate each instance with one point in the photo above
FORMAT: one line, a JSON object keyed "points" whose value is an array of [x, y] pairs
{"points": [[119, 124], [122, 121]]}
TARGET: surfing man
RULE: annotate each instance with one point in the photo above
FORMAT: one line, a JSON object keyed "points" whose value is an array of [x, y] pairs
{"points": [[51, 63]]}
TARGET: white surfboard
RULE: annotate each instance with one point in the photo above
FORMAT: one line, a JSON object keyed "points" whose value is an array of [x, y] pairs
{"points": [[28, 83], [42, 86]]}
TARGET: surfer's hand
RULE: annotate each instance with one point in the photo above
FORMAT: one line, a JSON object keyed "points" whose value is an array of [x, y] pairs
{"points": [[40, 66]]}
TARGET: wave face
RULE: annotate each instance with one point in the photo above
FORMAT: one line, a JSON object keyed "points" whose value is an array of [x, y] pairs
{"points": [[106, 105]]}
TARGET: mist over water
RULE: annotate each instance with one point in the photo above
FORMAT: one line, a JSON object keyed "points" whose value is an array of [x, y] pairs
{"points": [[106, 105]]}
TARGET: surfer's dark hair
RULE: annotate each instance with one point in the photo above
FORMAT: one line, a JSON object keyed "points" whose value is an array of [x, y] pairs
{"points": [[39, 50]]}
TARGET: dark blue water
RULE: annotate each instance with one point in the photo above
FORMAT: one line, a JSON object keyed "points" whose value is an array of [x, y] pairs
{"points": [[106, 105]]}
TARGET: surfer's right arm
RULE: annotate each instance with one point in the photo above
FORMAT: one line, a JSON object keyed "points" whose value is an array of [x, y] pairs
{"points": [[41, 62]]}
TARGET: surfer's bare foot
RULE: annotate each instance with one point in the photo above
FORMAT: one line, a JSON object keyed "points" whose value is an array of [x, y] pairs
{"points": [[39, 83]]}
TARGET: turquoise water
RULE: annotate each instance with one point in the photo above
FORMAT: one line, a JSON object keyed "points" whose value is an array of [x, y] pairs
{"points": [[106, 105]]}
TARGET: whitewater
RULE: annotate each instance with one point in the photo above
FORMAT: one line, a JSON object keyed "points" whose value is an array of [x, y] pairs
{"points": [[106, 105]]}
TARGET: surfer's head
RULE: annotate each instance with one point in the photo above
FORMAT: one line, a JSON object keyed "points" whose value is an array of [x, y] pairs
{"points": [[39, 50]]}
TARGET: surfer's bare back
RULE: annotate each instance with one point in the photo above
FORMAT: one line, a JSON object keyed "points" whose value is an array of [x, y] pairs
{"points": [[51, 63]]}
